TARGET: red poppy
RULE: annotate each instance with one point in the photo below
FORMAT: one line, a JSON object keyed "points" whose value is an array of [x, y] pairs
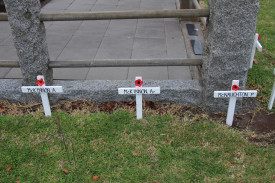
{"points": [[235, 87], [138, 82], [40, 82], [259, 36]]}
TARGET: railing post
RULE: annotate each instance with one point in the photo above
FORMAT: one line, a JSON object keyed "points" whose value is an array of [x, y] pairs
{"points": [[228, 43], [29, 39], [186, 4]]}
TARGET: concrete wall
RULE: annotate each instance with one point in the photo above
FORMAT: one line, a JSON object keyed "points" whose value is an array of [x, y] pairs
{"points": [[228, 44], [29, 39]]}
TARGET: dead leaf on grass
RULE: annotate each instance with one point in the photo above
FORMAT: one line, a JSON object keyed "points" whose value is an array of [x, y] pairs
{"points": [[254, 136], [109, 105], [132, 103], [65, 171], [18, 181], [95, 178], [168, 141], [260, 97], [273, 177], [272, 64], [43, 154], [9, 168], [255, 61]]}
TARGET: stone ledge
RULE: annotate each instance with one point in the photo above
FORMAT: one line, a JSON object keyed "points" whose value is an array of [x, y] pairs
{"points": [[172, 91]]}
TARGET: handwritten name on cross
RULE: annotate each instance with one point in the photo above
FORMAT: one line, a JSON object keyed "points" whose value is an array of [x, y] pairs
{"points": [[139, 91], [43, 90], [272, 97], [256, 44], [233, 95]]}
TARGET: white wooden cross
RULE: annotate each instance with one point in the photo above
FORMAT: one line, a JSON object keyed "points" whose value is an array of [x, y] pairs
{"points": [[257, 45], [272, 97], [43, 90], [139, 91], [233, 95]]}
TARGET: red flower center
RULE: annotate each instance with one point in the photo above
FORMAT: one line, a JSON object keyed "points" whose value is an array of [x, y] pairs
{"points": [[235, 87], [40, 82], [138, 82]]}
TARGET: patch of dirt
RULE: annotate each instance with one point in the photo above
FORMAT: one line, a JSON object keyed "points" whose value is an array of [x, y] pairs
{"points": [[263, 122], [259, 122]]}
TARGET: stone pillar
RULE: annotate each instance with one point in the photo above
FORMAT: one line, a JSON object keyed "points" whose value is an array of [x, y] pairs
{"points": [[228, 44], [29, 39]]}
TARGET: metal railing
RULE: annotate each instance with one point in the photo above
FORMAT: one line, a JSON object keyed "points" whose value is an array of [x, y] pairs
{"points": [[114, 63], [107, 15], [134, 14], [203, 19]]}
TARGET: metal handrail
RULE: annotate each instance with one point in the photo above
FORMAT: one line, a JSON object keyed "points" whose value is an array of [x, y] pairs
{"points": [[197, 6], [114, 63], [107, 15]]}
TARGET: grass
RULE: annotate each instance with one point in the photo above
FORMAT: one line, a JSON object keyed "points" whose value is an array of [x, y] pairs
{"points": [[166, 148], [119, 148], [261, 77]]}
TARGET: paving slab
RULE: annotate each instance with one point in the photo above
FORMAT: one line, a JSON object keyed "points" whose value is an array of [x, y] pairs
{"points": [[84, 41], [172, 30], [93, 28], [113, 42], [107, 39], [175, 72], [6, 40], [14, 73], [145, 53], [115, 53], [103, 7], [122, 28], [8, 52], [4, 72], [116, 73], [176, 48], [70, 73], [150, 43], [152, 32], [72, 53], [152, 73]]}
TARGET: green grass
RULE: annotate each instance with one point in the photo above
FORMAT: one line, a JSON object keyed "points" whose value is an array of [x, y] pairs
{"points": [[261, 77], [119, 148]]}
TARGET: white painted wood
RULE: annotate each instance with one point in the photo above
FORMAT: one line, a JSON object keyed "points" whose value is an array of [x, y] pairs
{"points": [[139, 105], [272, 97], [233, 95], [42, 89], [256, 44], [139, 90], [259, 46], [138, 100], [231, 106], [238, 94], [46, 104], [231, 110]]}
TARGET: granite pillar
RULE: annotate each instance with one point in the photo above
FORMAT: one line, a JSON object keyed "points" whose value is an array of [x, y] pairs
{"points": [[228, 44], [29, 39]]}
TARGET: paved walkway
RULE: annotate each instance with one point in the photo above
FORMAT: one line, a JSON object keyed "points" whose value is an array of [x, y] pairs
{"points": [[107, 39]]}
